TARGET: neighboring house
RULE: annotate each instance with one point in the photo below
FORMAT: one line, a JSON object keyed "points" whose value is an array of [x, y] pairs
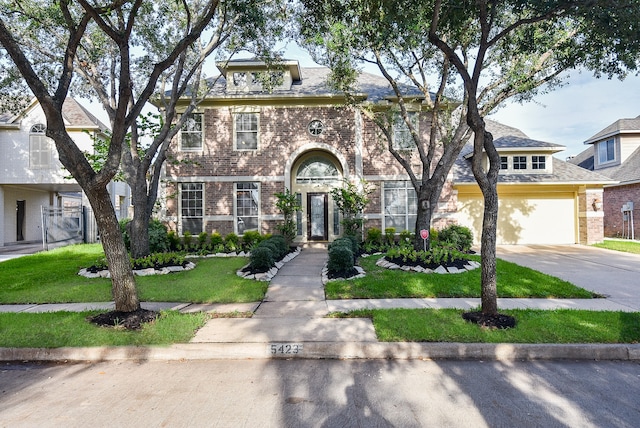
{"points": [[244, 144], [32, 177], [615, 153]]}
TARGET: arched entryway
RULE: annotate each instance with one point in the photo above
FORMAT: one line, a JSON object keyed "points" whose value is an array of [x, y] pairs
{"points": [[313, 175]]}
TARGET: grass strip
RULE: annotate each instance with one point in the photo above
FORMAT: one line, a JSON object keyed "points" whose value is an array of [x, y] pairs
{"points": [[625, 246], [533, 326], [513, 281], [61, 329]]}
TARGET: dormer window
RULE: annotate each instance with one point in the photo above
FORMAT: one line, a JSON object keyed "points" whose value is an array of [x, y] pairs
{"points": [[606, 151], [538, 162], [519, 162]]}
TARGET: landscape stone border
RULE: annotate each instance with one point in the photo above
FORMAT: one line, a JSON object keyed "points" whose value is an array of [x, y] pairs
{"points": [[268, 276], [383, 262], [165, 270], [471, 265]]}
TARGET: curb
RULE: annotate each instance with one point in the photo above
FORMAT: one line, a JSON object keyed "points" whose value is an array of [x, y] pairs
{"points": [[332, 350]]}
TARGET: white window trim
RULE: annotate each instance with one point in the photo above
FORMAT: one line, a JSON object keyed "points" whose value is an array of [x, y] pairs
{"points": [[399, 120], [45, 144], [408, 186], [615, 152], [235, 133], [194, 149], [235, 206], [180, 216], [544, 157]]}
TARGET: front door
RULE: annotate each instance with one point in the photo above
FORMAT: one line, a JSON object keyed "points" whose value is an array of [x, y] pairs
{"points": [[20, 214], [317, 224]]}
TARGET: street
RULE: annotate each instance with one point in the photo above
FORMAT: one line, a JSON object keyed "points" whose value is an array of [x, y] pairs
{"points": [[321, 393]]}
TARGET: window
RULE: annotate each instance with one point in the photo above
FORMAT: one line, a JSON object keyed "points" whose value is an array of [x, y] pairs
{"points": [[606, 151], [191, 133], [247, 202], [504, 162], [402, 139], [400, 205], [519, 162], [317, 169], [191, 209], [538, 162], [315, 127], [40, 148], [246, 131]]}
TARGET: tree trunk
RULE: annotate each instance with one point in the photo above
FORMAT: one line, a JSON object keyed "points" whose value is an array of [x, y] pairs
{"points": [[139, 225], [423, 219], [489, 293], [123, 285]]}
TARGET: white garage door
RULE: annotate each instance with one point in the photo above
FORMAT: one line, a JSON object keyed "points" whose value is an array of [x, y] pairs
{"points": [[536, 220]]}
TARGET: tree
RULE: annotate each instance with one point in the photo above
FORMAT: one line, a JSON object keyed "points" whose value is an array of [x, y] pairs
{"points": [[390, 35], [522, 46], [234, 25], [30, 29], [490, 52], [351, 199], [288, 205]]}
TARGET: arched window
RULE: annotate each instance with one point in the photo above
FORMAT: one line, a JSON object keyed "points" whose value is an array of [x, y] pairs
{"points": [[40, 147], [317, 169]]}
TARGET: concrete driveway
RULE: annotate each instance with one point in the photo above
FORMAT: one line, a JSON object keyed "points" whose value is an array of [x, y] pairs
{"points": [[613, 274]]}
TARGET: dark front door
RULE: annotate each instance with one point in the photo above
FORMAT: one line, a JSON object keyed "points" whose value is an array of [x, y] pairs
{"points": [[317, 224], [20, 214]]}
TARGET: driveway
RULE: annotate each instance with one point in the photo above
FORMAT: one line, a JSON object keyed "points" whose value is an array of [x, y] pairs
{"points": [[613, 274]]}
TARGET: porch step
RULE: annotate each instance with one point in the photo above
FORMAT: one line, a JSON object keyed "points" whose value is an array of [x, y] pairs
{"points": [[315, 244]]}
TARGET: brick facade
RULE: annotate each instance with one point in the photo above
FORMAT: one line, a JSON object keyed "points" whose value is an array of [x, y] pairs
{"points": [[614, 199]]}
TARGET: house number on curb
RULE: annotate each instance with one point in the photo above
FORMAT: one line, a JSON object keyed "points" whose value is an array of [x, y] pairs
{"points": [[285, 348]]}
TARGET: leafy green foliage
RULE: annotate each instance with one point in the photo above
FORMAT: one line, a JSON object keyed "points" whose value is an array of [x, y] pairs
{"points": [[460, 237], [351, 201], [341, 259], [231, 242], [250, 239], [261, 259], [288, 205], [159, 239]]}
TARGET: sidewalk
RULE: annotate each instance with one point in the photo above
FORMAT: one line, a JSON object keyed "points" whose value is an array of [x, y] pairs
{"points": [[290, 322]]}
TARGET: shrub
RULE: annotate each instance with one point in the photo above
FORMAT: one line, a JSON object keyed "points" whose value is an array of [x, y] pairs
{"points": [[250, 239], [231, 242], [187, 241], [281, 244], [459, 237], [202, 240], [406, 238], [261, 259], [174, 241], [275, 248], [340, 259], [158, 237], [216, 241], [390, 235], [124, 224], [374, 236]]}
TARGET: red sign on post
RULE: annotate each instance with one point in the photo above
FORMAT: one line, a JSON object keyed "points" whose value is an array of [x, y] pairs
{"points": [[424, 234]]}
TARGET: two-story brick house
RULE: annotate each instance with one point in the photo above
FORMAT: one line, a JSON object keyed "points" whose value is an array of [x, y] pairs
{"points": [[243, 144], [32, 177], [615, 153]]}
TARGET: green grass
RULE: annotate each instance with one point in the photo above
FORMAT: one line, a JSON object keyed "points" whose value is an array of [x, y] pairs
{"points": [[625, 246], [533, 326], [52, 277], [513, 281], [60, 329]]}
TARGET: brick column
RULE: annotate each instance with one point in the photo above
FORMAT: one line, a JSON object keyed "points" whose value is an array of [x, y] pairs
{"points": [[590, 216]]}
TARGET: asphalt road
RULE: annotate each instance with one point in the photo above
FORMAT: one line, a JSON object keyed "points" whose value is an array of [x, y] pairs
{"points": [[321, 393]]}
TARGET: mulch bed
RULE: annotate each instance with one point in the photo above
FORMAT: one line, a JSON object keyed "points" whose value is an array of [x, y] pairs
{"points": [[125, 320], [490, 321], [460, 263]]}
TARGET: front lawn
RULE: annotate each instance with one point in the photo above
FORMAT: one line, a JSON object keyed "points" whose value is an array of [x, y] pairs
{"points": [[533, 326], [618, 245], [513, 281], [52, 277]]}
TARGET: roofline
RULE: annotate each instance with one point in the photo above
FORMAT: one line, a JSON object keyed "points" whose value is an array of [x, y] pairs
{"points": [[543, 183], [529, 150], [623, 183], [611, 134]]}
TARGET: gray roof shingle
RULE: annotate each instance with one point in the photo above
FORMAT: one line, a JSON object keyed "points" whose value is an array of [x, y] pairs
{"points": [[617, 127]]}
